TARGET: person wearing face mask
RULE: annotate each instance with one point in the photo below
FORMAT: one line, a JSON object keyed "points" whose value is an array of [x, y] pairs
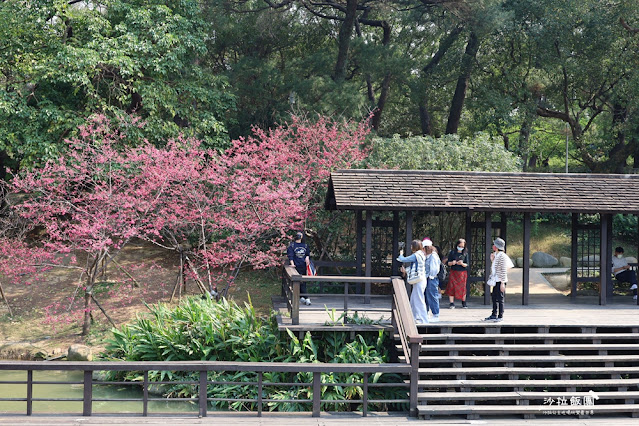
{"points": [[622, 271], [458, 263]]}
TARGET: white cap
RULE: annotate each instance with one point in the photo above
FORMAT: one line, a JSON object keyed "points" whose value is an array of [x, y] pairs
{"points": [[427, 242]]}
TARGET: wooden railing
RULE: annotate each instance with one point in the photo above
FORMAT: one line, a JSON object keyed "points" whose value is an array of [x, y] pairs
{"points": [[203, 367], [405, 326], [291, 281]]}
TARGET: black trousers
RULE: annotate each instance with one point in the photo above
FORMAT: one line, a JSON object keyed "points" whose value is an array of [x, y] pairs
{"points": [[301, 269], [498, 300]]}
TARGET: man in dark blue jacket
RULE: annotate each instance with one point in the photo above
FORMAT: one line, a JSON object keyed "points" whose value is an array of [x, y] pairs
{"points": [[299, 256]]}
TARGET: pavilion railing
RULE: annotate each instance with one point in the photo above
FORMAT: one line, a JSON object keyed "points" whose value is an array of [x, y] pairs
{"points": [[203, 368], [291, 281], [405, 326]]}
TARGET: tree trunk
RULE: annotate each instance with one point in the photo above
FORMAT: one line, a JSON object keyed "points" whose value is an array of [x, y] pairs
{"points": [[381, 102], [424, 112], [457, 104], [344, 40], [524, 137], [86, 325], [424, 118]]}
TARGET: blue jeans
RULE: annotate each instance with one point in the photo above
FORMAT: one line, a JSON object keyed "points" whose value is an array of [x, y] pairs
{"points": [[431, 293]]}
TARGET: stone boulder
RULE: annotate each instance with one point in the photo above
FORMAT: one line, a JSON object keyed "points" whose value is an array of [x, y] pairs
{"points": [[544, 260], [565, 262], [79, 353], [519, 262]]}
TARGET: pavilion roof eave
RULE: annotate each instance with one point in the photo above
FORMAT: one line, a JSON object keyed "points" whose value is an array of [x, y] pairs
{"points": [[423, 190], [477, 210]]}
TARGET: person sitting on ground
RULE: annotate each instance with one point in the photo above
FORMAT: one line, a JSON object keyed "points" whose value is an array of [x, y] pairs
{"points": [[623, 272], [298, 255]]}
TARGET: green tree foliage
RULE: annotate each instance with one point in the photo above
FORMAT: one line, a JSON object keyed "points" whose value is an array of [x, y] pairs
{"points": [[449, 152], [201, 329], [62, 61], [567, 63]]}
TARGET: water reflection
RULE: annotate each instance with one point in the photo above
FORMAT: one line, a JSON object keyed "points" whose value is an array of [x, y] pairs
{"points": [[73, 389]]}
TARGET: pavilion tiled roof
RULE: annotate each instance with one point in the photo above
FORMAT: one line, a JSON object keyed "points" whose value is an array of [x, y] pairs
{"points": [[482, 191]]}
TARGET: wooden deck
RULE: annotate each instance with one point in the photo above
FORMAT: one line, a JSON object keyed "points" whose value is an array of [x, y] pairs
{"points": [[554, 310]]}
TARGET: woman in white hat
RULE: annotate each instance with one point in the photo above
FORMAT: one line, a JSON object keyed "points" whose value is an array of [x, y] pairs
{"points": [[433, 264], [499, 269]]}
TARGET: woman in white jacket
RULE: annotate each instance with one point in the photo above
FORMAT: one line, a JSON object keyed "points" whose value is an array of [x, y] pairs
{"points": [[418, 261]]}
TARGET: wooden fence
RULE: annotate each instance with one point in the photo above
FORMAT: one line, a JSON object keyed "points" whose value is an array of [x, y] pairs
{"points": [[291, 281], [202, 368], [402, 319]]}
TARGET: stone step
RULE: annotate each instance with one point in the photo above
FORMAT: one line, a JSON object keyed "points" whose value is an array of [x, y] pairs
{"points": [[542, 410], [517, 359], [476, 371], [452, 337], [516, 347], [522, 395], [587, 384]]}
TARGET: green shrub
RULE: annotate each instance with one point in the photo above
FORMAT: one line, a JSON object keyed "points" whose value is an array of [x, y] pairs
{"points": [[200, 329]]}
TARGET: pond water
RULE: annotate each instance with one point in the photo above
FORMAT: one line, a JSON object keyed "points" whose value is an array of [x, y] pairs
{"points": [[76, 391]]}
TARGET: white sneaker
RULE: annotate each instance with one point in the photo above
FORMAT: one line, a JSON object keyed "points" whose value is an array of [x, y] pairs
{"points": [[308, 301], [634, 287], [302, 301], [434, 319]]}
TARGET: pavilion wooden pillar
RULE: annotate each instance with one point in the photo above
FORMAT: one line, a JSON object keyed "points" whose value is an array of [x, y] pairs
{"points": [[604, 258], [607, 273], [469, 243], [359, 249], [525, 291], [409, 239], [409, 232], [488, 248], [369, 242], [573, 257], [394, 264]]}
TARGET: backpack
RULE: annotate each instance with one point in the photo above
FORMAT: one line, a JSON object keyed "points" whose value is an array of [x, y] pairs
{"points": [[442, 275]]}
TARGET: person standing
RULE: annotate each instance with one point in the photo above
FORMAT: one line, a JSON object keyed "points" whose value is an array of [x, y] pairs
{"points": [[432, 286], [418, 261], [458, 262], [499, 269], [298, 255]]}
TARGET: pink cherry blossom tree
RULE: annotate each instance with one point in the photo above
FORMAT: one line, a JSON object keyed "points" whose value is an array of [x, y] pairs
{"points": [[215, 209], [87, 201]]}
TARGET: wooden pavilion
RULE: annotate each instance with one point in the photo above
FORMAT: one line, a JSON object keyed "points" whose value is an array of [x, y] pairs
{"points": [[377, 195]]}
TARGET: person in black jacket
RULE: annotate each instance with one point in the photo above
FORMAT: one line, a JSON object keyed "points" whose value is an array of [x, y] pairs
{"points": [[298, 255]]}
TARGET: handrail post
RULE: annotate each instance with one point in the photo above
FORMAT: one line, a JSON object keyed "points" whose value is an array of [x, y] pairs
{"points": [[345, 300], [284, 281], [415, 347], [317, 393], [29, 392], [87, 400], [260, 386], [365, 396], [295, 303], [145, 394], [202, 394]]}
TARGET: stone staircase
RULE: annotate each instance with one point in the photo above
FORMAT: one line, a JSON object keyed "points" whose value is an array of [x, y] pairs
{"points": [[489, 369]]}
